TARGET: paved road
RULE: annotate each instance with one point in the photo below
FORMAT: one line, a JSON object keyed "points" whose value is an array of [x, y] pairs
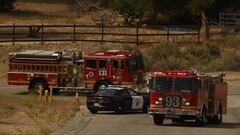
{"points": [[142, 124]]}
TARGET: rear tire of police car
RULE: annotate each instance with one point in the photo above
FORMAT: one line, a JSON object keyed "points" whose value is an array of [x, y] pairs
{"points": [[158, 119], [34, 86]]}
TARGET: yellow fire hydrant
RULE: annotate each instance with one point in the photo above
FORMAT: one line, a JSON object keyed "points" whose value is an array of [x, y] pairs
{"points": [[46, 94], [51, 93]]}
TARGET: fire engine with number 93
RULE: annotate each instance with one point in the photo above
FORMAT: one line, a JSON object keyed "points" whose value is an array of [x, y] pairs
{"points": [[182, 95]]}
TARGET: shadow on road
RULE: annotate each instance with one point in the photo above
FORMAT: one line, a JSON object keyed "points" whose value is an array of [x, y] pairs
{"points": [[226, 125], [114, 113]]}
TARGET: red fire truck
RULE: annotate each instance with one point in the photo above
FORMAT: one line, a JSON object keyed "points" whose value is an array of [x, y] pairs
{"points": [[68, 70], [187, 95]]}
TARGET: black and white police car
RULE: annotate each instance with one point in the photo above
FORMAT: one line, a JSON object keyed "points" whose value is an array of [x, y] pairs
{"points": [[117, 99]]}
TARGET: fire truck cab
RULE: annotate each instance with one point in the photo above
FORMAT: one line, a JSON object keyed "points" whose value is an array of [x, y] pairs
{"points": [[113, 67], [187, 95]]}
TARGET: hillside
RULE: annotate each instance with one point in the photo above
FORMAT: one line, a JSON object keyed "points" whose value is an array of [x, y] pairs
{"points": [[52, 12]]}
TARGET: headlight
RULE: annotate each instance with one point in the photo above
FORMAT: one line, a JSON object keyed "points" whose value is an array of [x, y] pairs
{"points": [[186, 102], [158, 101]]}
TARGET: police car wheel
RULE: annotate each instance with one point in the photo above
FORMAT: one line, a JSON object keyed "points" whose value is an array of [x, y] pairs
{"points": [[120, 109], [93, 111]]}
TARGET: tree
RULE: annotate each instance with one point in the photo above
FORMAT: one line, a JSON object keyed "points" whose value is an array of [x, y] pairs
{"points": [[131, 9], [6, 5]]}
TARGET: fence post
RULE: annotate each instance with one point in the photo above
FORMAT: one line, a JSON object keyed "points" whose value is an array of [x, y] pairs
{"points": [[102, 33], [13, 34], [168, 36], [42, 34], [199, 34], [137, 32], [74, 33], [207, 32]]}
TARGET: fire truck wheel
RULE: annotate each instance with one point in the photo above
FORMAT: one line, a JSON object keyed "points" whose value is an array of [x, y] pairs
{"points": [[219, 116], [202, 120], [158, 119], [35, 85], [101, 84]]}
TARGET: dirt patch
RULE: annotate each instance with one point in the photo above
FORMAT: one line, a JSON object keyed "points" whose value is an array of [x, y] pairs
{"points": [[23, 116]]}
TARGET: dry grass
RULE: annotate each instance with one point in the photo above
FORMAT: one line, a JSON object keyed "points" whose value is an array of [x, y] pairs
{"points": [[25, 116], [48, 12]]}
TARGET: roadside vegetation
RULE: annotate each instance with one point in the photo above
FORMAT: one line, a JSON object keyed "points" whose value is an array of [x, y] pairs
{"points": [[28, 116], [205, 57]]}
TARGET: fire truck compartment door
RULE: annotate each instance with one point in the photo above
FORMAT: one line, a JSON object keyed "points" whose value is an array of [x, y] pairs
{"points": [[137, 102]]}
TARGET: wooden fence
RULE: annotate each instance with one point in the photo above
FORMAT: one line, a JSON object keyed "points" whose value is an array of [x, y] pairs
{"points": [[95, 33], [219, 33], [229, 19]]}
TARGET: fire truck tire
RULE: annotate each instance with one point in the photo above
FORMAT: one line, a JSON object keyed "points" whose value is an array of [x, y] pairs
{"points": [[202, 120], [158, 119], [219, 116], [100, 85], [34, 85]]}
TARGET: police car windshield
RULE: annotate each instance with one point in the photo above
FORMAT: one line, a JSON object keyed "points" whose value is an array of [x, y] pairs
{"points": [[185, 84], [162, 84]]}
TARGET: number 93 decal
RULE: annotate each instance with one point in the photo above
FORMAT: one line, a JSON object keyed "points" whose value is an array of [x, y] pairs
{"points": [[172, 101]]}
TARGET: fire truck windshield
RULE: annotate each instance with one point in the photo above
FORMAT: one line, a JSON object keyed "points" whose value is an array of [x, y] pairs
{"points": [[185, 84], [164, 84], [161, 84], [135, 64]]}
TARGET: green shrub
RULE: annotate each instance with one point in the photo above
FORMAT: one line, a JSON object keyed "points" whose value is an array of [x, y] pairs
{"points": [[230, 61], [197, 54], [165, 57], [213, 50]]}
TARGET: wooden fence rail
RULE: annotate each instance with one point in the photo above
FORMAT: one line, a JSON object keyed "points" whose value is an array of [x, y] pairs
{"points": [[95, 33]]}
